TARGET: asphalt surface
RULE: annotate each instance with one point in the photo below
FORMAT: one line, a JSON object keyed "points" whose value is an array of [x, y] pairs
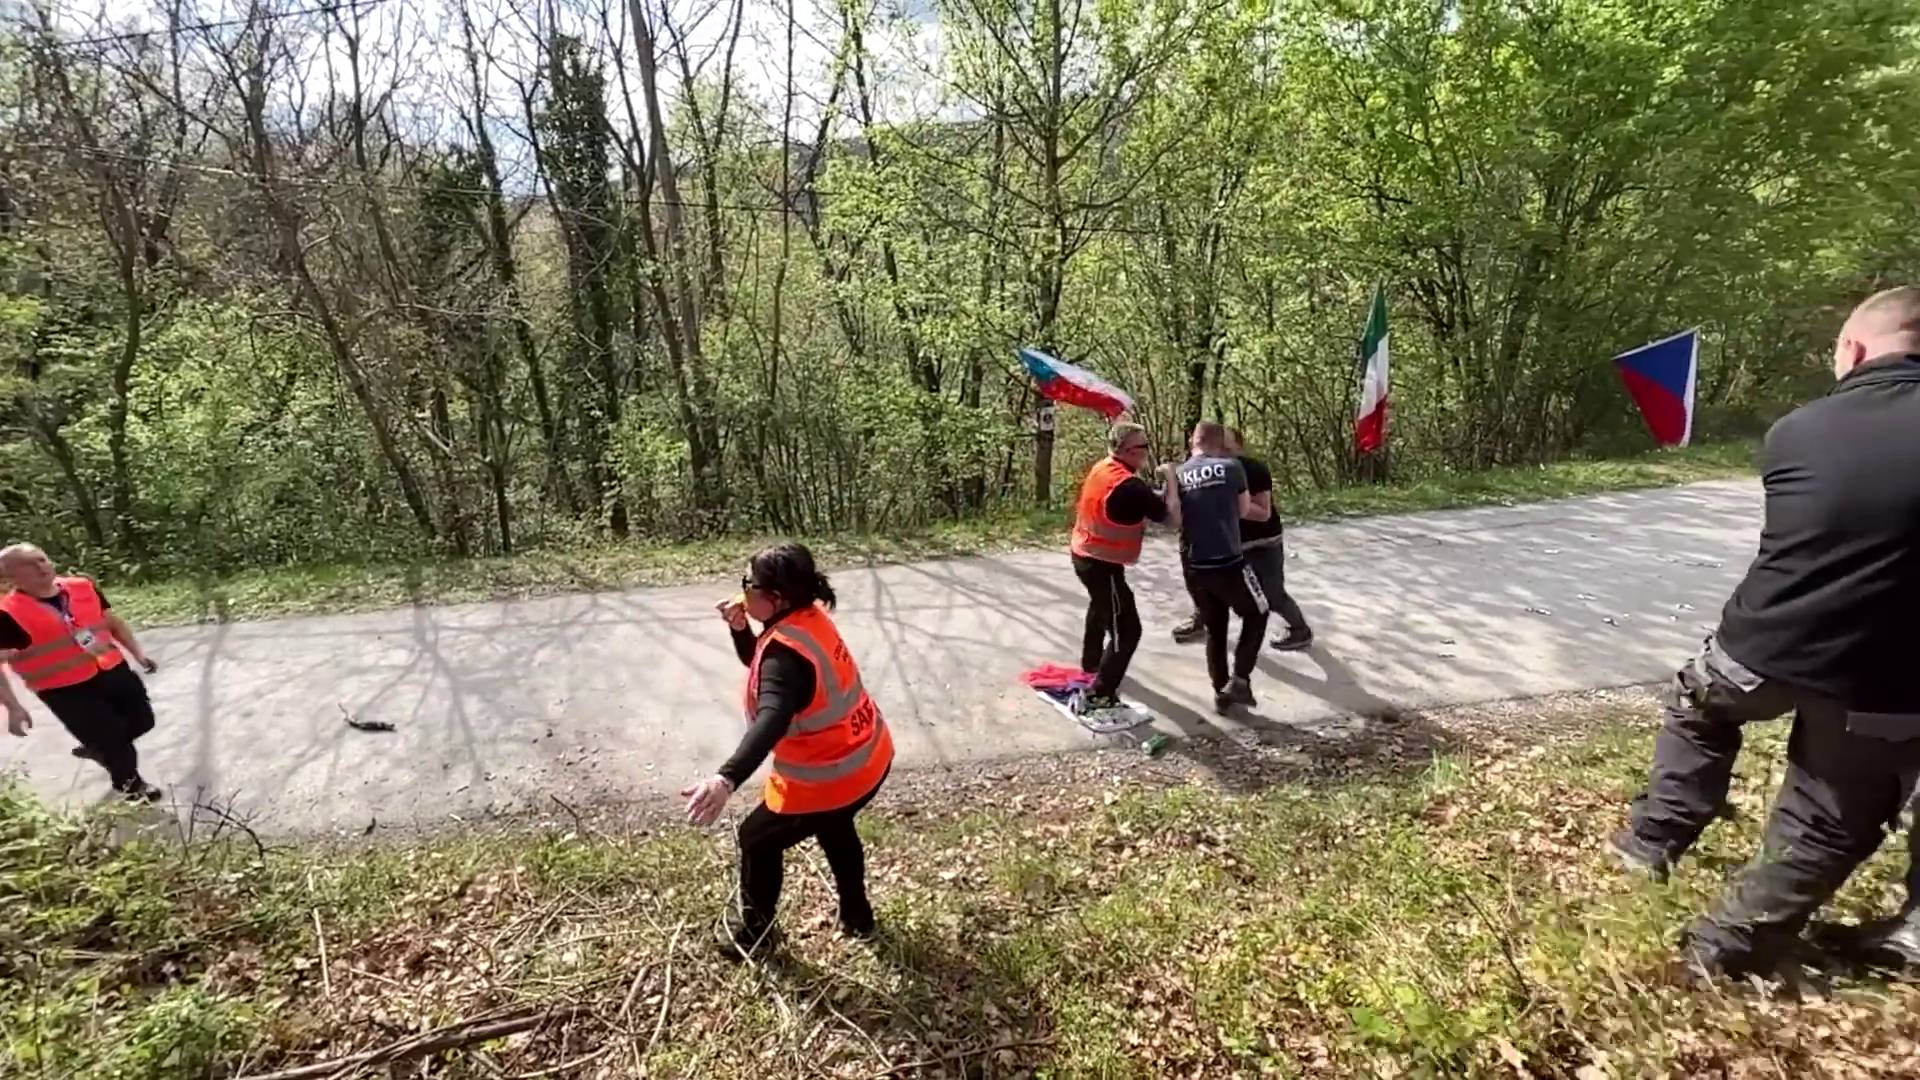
{"points": [[503, 707]]}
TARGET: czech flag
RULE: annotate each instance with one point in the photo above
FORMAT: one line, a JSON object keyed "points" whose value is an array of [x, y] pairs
{"points": [[1660, 379], [1060, 381]]}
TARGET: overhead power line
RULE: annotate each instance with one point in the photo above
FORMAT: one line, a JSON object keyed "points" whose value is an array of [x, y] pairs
{"points": [[217, 24]]}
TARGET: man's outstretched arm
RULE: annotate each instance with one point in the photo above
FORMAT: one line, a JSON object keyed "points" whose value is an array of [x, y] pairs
{"points": [[123, 634], [18, 722]]}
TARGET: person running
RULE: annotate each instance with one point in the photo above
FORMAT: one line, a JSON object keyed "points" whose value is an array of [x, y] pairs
{"points": [[806, 709], [1213, 502], [1110, 521], [1266, 552], [61, 637]]}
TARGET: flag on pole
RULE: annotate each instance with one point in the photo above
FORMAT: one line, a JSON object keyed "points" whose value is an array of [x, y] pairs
{"points": [[1370, 425], [1060, 381], [1660, 379]]}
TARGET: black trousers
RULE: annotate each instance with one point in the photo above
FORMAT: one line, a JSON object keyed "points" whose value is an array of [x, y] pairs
{"points": [[1269, 564], [1217, 594], [764, 839], [1847, 779], [1113, 623], [1708, 702], [106, 714]]}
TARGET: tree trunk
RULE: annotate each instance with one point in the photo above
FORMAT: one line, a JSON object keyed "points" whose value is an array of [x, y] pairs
{"points": [[698, 413], [1053, 259], [61, 451], [293, 255], [125, 514]]}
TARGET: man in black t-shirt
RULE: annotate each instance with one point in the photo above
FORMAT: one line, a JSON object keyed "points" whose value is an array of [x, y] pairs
{"points": [[1261, 540], [1213, 501]]}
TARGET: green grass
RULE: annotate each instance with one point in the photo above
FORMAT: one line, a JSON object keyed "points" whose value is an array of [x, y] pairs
{"points": [[1406, 914], [313, 590]]}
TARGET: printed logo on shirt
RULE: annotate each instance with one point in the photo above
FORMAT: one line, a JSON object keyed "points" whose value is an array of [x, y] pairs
{"points": [[1204, 474]]}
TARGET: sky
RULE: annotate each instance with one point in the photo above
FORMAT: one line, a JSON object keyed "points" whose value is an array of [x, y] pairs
{"points": [[415, 46]]}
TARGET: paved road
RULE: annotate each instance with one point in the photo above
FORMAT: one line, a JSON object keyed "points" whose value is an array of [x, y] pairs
{"points": [[627, 694]]}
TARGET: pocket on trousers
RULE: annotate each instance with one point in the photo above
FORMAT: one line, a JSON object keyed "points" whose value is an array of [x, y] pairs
{"points": [[1714, 663]]}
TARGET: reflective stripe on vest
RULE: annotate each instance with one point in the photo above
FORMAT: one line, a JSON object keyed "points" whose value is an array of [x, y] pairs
{"points": [[837, 746], [845, 767], [840, 700], [54, 658]]}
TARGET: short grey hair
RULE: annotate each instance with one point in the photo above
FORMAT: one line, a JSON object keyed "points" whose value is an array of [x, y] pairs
{"points": [[22, 550], [1119, 433]]}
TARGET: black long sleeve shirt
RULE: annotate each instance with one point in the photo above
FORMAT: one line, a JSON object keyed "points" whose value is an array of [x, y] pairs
{"points": [[786, 685], [1134, 502], [1828, 603]]}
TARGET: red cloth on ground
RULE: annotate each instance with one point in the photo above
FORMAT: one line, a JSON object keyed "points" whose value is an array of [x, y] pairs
{"points": [[1057, 677]]}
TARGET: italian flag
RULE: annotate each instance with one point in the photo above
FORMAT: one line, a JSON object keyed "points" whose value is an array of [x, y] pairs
{"points": [[1370, 426]]}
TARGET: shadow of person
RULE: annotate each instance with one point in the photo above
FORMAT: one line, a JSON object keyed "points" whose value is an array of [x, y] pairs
{"points": [[1247, 752], [942, 1009], [1338, 686]]}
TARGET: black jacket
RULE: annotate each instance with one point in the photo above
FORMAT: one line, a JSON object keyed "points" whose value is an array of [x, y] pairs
{"points": [[1832, 601]]}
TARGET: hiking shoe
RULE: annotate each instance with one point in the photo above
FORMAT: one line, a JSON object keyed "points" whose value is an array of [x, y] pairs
{"points": [[1236, 692], [737, 943], [1638, 857], [1294, 641], [859, 927], [1189, 632], [141, 792], [1892, 942], [1086, 701], [86, 754]]}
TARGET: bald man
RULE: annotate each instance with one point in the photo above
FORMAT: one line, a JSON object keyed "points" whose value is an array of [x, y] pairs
{"points": [[1823, 626], [62, 639]]}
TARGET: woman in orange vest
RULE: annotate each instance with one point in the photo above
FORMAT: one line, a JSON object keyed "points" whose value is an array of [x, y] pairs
{"points": [[60, 636], [1109, 523], [807, 710]]}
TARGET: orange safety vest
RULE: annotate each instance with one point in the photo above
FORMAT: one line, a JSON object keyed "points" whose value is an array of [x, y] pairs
{"points": [[838, 748], [1097, 536], [54, 657]]}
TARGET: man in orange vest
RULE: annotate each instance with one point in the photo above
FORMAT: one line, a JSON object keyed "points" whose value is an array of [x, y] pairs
{"points": [[60, 637], [808, 711], [1109, 523]]}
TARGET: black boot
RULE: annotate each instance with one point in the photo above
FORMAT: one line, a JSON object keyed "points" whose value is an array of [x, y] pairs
{"points": [[737, 941], [1297, 639], [138, 791], [1636, 856], [1892, 942]]}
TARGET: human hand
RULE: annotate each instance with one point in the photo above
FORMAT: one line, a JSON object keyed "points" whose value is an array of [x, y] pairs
{"points": [[147, 665], [706, 799], [18, 722], [734, 611]]}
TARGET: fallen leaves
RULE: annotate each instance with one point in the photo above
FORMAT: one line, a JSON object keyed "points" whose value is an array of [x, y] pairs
{"points": [[1423, 898]]}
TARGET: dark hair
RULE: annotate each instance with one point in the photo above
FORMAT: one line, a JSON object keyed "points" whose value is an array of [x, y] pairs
{"points": [[788, 570]]}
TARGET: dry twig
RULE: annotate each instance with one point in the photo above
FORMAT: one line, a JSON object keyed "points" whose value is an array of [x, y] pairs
{"points": [[972, 1051], [326, 970], [464, 1033]]}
